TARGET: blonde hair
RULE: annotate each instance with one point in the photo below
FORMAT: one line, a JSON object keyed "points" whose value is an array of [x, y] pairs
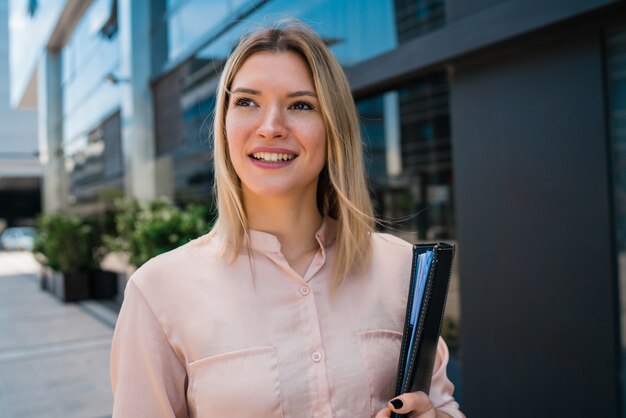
{"points": [[342, 192]]}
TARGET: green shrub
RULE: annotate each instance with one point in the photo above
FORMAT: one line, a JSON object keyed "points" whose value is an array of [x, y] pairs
{"points": [[145, 230], [70, 243]]}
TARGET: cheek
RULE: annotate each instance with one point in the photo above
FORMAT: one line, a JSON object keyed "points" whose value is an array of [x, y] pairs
{"points": [[233, 137], [317, 141], [239, 127], [230, 127]]}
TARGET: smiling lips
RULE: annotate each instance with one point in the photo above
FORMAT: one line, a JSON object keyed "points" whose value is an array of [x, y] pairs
{"points": [[277, 158], [272, 156]]}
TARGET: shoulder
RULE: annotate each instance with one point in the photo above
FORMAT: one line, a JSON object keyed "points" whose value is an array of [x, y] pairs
{"points": [[387, 242], [389, 249], [168, 271]]}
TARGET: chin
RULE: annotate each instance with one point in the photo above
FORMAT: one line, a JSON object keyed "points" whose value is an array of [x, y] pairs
{"points": [[279, 190], [270, 191]]}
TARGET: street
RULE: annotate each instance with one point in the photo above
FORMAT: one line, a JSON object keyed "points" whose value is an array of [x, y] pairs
{"points": [[54, 356]]}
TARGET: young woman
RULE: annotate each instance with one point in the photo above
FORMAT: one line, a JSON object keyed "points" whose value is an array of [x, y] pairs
{"points": [[291, 306]]}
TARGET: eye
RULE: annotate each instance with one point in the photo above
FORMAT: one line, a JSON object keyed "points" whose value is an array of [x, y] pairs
{"points": [[301, 106], [244, 102]]}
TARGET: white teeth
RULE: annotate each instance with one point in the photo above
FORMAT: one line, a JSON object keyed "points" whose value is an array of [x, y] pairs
{"points": [[272, 156]]}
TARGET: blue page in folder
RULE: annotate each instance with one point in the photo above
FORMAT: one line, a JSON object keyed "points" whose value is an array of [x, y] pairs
{"points": [[424, 262]]}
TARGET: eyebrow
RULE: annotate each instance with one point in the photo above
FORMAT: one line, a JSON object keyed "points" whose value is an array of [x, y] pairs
{"points": [[253, 92], [245, 90], [302, 93]]}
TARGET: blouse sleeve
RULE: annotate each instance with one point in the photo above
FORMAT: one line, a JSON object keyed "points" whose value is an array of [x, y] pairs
{"points": [[441, 388], [147, 377]]}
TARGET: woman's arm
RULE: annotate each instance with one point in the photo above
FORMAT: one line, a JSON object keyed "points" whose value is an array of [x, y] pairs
{"points": [[147, 377]]}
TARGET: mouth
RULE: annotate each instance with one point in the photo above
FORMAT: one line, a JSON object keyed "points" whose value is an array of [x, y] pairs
{"points": [[271, 157]]}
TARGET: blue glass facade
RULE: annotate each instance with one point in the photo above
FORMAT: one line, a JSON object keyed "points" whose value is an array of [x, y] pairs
{"points": [[356, 31], [91, 133]]}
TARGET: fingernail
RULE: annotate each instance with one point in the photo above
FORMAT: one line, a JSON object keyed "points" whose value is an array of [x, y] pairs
{"points": [[397, 403]]}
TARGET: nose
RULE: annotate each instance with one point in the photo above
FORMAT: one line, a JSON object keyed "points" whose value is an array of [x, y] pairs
{"points": [[272, 125]]}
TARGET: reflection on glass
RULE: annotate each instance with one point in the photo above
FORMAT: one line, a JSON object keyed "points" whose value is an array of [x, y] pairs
{"points": [[189, 23], [193, 169], [193, 86], [94, 161], [86, 60], [416, 17], [411, 175], [616, 79], [373, 130], [355, 30]]}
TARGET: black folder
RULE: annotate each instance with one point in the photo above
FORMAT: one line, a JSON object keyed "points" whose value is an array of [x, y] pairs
{"points": [[428, 289]]}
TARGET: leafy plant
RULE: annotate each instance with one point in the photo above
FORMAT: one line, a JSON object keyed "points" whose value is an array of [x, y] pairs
{"points": [[144, 230], [166, 228], [70, 243]]}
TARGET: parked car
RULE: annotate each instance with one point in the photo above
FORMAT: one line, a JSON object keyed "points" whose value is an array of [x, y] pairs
{"points": [[17, 238]]}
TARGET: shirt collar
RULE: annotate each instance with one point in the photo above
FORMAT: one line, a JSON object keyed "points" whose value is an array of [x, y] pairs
{"points": [[264, 241]]}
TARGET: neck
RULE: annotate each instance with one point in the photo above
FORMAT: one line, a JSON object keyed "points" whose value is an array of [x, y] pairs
{"points": [[292, 219]]}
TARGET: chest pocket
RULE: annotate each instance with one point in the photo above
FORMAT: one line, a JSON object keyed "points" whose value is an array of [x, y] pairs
{"points": [[244, 383], [380, 351]]}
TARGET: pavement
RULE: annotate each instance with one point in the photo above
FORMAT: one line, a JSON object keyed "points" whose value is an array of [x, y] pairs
{"points": [[54, 356]]}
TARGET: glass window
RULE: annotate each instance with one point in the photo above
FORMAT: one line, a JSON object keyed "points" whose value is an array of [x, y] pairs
{"points": [[190, 22], [355, 30], [94, 161], [184, 103], [345, 25], [91, 121], [87, 58], [414, 18], [407, 138], [179, 26], [406, 134]]}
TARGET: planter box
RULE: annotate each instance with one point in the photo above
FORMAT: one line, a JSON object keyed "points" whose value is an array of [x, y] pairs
{"points": [[103, 284], [118, 263], [122, 279], [71, 287], [45, 278]]}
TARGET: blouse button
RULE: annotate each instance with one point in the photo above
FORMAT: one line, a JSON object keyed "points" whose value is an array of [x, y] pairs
{"points": [[316, 357], [305, 290]]}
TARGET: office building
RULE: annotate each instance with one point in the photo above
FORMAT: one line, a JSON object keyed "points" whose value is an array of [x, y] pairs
{"points": [[499, 125]]}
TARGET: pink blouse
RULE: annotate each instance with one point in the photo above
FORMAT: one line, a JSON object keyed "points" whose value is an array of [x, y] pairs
{"points": [[198, 336]]}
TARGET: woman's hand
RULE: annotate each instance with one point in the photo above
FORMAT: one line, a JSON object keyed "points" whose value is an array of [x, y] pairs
{"points": [[415, 404]]}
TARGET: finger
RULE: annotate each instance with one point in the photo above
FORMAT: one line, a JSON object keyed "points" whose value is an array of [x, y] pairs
{"points": [[383, 413], [417, 403]]}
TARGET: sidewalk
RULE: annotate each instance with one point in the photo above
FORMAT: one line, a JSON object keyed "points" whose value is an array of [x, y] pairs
{"points": [[54, 357]]}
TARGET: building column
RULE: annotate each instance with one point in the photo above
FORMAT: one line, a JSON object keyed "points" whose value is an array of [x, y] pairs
{"points": [[55, 188], [137, 111], [391, 109]]}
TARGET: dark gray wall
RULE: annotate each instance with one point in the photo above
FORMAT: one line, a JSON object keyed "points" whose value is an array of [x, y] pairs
{"points": [[539, 324], [456, 9], [495, 23]]}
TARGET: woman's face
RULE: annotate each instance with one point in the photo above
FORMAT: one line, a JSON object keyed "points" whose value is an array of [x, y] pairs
{"points": [[274, 127]]}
